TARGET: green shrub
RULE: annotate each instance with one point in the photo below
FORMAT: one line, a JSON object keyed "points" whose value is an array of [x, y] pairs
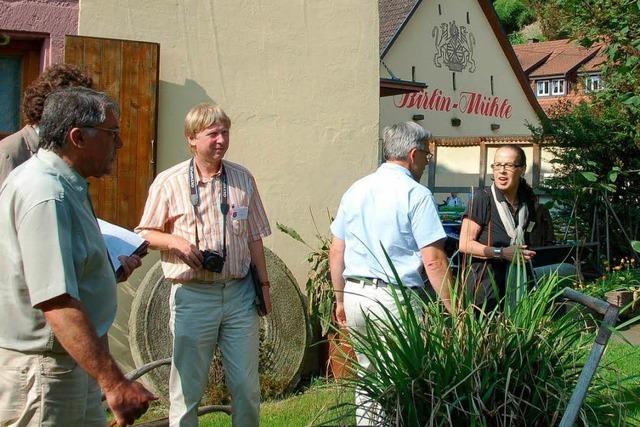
{"points": [[512, 368]]}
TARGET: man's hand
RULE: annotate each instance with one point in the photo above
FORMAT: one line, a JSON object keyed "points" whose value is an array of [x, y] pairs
{"points": [[266, 291], [128, 401], [509, 252], [187, 252], [129, 263], [341, 316]]}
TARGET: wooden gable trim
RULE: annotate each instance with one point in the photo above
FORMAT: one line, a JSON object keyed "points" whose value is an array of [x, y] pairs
{"points": [[404, 24]]}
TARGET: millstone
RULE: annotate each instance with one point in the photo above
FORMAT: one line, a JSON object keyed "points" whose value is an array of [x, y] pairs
{"points": [[284, 334]]}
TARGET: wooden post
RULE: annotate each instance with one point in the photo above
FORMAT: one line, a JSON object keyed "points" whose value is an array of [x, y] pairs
{"points": [[433, 149], [536, 168], [483, 164]]}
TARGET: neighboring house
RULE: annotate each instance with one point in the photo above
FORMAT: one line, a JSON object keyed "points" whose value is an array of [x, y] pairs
{"points": [[476, 97], [561, 70]]}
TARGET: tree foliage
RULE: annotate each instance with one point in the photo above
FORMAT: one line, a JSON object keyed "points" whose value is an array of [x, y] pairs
{"points": [[596, 162], [513, 14]]}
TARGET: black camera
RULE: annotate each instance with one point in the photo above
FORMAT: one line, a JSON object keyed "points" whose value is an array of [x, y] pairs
{"points": [[212, 261]]}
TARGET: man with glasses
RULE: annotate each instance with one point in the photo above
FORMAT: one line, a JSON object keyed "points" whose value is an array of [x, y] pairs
{"points": [[390, 211], [58, 287], [206, 218], [497, 226]]}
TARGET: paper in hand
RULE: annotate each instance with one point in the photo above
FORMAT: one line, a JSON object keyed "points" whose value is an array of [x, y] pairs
{"points": [[120, 241]]}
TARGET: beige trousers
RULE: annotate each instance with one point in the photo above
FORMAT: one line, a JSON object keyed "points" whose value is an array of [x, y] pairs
{"points": [[47, 389], [367, 301]]}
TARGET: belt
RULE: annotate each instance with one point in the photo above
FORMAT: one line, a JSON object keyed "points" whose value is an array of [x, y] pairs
{"points": [[374, 281], [368, 281]]}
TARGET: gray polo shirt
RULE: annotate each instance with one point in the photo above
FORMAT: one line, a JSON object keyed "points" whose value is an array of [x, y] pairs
{"points": [[50, 245]]}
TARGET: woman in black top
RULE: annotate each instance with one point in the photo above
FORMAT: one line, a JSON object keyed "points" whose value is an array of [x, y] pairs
{"points": [[498, 220]]}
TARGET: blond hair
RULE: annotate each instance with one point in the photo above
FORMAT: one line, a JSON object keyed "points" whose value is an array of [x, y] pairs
{"points": [[202, 116]]}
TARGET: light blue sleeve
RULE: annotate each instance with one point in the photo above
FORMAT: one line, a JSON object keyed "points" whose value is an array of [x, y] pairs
{"points": [[424, 218], [337, 226]]}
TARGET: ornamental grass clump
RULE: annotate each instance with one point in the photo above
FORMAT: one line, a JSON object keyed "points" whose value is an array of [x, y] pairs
{"points": [[474, 368]]}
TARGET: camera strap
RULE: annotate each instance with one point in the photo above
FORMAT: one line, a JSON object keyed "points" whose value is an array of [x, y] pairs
{"points": [[224, 202]]}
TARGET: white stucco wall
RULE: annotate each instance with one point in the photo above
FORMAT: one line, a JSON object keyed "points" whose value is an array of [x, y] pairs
{"points": [[299, 80]]}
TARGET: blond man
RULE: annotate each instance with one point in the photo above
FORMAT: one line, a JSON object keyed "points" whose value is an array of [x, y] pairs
{"points": [[206, 218]]}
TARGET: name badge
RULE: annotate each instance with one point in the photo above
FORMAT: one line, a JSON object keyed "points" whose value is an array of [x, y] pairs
{"points": [[240, 212], [530, 227]]}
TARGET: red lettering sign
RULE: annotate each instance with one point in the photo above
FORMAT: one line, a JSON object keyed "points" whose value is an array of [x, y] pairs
{"points": [[473, 103]]}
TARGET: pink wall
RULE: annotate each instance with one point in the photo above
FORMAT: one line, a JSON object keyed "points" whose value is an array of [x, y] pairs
{"points": [[50, 20]]}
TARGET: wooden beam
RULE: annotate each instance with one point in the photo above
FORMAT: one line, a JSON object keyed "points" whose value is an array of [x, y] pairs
{"points": [[536, 168], [433, 149], [483, 164]]}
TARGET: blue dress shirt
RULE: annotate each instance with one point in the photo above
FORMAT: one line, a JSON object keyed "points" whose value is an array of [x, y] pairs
{"points": [[387, 209]]}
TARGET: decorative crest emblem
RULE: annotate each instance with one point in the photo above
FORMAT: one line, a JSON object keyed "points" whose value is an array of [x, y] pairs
{"points": [[454, 47]]}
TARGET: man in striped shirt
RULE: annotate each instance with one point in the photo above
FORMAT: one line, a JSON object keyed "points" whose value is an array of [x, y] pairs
{"points": [[207, 203]]}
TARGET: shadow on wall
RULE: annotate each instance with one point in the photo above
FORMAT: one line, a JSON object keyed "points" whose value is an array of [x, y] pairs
{"points": [[175, 101]]}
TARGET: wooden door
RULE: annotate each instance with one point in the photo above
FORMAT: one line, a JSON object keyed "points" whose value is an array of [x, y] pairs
{"points": [[128, 72]]}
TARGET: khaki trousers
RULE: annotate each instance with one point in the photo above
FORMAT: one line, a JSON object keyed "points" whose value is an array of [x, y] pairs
{"points": [[204, 315], [47, 389]]}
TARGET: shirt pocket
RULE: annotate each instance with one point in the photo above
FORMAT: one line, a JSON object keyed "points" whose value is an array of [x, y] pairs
{"points": [[239, 227]]}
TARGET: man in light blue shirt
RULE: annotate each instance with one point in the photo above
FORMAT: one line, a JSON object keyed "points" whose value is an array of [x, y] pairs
{"points": [[389, 209]]}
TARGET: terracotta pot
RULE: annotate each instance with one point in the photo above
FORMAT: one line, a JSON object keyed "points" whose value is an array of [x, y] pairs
{"points": [[340, 356]]}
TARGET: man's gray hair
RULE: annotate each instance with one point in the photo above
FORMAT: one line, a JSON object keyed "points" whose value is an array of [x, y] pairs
{"points": [[72, 107], [401, 138]]}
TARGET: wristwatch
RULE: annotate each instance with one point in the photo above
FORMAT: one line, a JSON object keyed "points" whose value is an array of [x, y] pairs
{"points": [[497, 252]]}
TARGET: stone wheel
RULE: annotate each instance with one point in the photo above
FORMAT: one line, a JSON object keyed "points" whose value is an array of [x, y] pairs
{"points": [[284, 334]]}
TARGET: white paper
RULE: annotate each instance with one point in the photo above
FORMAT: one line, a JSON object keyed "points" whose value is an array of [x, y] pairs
{"points": [[119, 241]]}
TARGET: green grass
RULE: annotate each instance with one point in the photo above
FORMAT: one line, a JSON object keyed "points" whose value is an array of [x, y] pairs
{"points": [[309, 406], [622, 360]]}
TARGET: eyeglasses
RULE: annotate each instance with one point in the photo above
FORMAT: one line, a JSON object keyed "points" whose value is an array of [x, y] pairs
{"points": [[427, 154], [115, 132], [506, 166]]}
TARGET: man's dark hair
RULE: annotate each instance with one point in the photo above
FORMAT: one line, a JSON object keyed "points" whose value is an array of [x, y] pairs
{"points": [[72, 107], [54, 78]]}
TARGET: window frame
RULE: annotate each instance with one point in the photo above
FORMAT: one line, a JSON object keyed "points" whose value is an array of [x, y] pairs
{"points": [[29, 50], [562, 83], [545, 85], [588, 83]]}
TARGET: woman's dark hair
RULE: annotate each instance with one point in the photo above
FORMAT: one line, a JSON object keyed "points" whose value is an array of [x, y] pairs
{"points": [[55, 77], [521, 160]]}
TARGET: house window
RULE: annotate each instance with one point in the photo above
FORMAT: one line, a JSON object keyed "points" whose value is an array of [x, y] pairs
{"points": [[592, 83], [542, 87], [19, 66], [10, 90], [557, 87]]}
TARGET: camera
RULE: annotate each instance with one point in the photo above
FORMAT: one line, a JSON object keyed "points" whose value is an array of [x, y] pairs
{"points": [[212, 261]]}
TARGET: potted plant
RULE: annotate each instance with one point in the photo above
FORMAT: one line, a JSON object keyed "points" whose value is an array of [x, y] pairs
{"points": [[321, 299]]}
